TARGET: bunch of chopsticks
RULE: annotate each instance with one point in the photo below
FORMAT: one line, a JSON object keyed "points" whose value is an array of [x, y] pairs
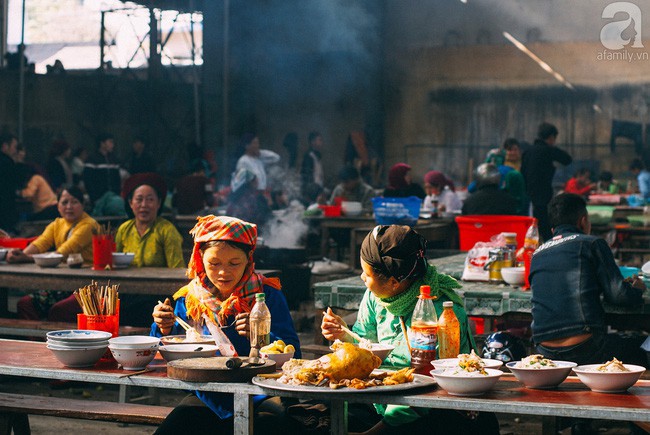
{"points": [[98, 300], [104, 230]]}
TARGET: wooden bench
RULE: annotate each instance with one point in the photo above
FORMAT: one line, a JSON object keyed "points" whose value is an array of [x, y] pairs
{"points": [[38, 328], [15, 408]]}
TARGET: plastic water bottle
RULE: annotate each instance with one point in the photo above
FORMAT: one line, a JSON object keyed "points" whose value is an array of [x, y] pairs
{"points": [[260, 325], [448, 332], [423, 334]]}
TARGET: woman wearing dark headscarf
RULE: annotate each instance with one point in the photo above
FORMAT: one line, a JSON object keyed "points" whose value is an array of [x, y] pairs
{"points": [[400, 183], [223, 287], [441, 189], [394, 268]]}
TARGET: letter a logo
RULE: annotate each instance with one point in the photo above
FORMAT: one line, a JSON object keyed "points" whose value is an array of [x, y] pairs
{"points": [[617, 34]]}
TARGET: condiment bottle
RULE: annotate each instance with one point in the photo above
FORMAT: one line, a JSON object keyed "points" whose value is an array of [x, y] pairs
{"points": [[448, 332], [511, 241], [260, 326], [423, 334], [74, 261], [531, 243]]}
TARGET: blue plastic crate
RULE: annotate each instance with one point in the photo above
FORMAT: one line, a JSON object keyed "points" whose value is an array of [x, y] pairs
{"points": [[396, 211]]}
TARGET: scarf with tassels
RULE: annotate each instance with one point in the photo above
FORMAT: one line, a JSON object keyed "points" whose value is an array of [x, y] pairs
{"points": [[441, 285], [201, 296]]}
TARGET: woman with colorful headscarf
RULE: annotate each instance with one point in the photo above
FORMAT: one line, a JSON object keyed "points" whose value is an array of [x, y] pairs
{"points": [[394, 268], [440, 189], [400, 183], [223, 287]]}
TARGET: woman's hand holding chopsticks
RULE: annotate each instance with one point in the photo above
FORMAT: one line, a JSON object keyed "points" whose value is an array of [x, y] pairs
{"points": [[332, 327], [163, 316]]}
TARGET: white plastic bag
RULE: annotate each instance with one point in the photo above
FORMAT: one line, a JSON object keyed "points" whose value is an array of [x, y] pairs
{"points": [[478, 256], [220, 339]]}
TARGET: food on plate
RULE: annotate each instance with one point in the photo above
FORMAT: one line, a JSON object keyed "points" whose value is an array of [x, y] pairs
{"points": [[187, 339], [470, 362], [278, 346], [348, 365], [535, 362], [613, 366], [192, 335]]}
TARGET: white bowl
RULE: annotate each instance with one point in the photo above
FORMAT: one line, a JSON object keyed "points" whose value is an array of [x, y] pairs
{"points": [[182, 339], [82, 357], [548, 377], [645, 269], [453, 362], [3, 254], [458, 385], [48, 259], [279, 358], [382, 350], [78, 335], [181, 351], [608, 382], [351, 208], [76, 345], [513, 275], [91, 346], [134, 342], [122, 259], [133, 359]]}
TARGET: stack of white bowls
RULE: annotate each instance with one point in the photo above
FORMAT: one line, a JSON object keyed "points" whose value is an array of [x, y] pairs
{"points": [[78, 347]]}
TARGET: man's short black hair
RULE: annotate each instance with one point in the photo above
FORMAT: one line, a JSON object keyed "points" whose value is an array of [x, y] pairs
{"points": [[509, 143], [637, 164], [546, 130], [312, 135], [102, 138], [606, 176], [7, 138], [566, 209], [348, 173]]}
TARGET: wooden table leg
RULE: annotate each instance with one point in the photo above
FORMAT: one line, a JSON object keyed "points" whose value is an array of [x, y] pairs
{"points": [[339, 417], [243, 424], [324, 241]]}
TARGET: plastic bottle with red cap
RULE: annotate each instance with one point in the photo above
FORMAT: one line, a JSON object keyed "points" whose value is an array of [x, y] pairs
{"points": [[423, 334]]}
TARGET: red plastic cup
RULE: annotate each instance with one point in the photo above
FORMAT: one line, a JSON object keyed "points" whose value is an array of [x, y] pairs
{"points": [[103, 248]]}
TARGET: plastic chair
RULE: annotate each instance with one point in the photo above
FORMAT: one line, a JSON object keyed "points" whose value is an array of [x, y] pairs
{"points": [[480, 228]]}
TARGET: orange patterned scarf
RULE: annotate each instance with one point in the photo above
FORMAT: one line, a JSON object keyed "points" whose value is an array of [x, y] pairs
{"points": [[201, 295]]}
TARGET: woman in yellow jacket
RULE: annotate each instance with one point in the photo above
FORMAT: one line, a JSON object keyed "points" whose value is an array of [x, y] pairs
{"points": [[71, 233]]}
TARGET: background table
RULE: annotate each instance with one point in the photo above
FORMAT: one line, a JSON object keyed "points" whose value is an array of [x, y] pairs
{"points": [[482, 299], [132, 280]]}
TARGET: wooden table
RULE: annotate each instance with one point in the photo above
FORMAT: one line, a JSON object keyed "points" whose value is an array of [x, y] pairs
{"points": [[132, 280], [482, 299], [571, 399], [359, 226]]}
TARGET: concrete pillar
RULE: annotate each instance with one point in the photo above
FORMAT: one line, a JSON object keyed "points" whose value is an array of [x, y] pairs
{"points": [[214, 121]]}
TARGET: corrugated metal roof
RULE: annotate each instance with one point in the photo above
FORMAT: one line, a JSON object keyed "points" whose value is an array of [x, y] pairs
{"points": [[176, 5]]}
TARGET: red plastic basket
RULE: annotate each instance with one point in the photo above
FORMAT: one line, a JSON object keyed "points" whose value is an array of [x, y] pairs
{"points": [[331, 210], [16, 243], [480, 228]]}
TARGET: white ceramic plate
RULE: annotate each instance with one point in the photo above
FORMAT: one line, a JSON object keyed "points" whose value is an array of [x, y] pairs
{"points": [[78, 335], [418, 382]]}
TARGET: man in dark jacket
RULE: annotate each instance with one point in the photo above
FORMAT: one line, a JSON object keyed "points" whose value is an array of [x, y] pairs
{"points": [[488, 197], [568, 275], [101, 170], [538, 171], [8, 186]]}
